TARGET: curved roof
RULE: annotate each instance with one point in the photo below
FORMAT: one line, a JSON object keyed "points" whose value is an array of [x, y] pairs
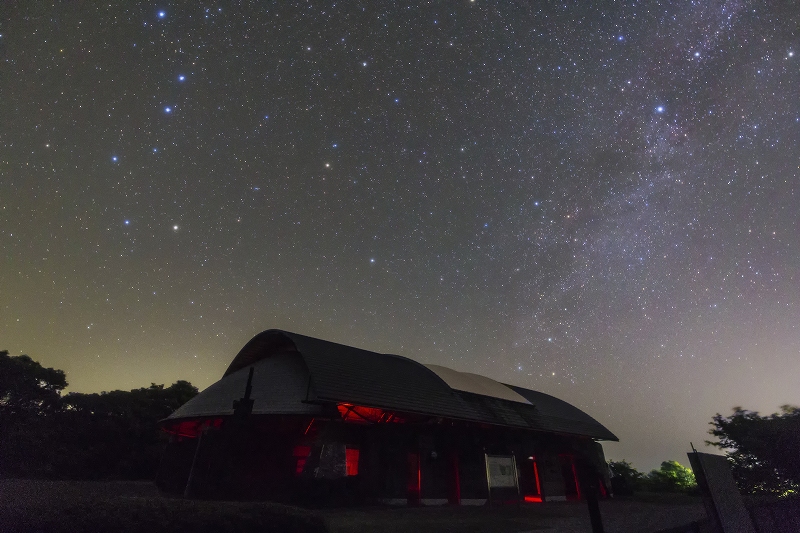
{"points": [[330, 372], [279, 385]]}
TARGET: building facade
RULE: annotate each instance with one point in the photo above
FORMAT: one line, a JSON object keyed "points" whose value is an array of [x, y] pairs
{"points": [[304, 420]]}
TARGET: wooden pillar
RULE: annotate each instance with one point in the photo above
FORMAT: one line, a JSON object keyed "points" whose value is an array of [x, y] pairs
{"points": [[454, 497]]}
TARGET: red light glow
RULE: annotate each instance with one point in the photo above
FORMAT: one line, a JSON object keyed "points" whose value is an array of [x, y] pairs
{"points": [[359, 414], [351, 459], [191, 428], [300, 453]]}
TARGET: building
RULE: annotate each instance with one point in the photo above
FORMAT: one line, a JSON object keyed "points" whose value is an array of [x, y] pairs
{"points": [[296, 418]]}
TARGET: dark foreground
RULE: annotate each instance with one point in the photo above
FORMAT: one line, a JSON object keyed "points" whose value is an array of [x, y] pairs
{"points": [[67, 506]]}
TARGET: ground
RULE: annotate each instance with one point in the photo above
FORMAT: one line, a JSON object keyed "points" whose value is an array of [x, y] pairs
{"points": [[70, 506], [652, 513]]}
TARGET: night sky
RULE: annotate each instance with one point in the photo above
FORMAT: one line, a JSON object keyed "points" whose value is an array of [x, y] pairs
{"points": [[597, 200]]}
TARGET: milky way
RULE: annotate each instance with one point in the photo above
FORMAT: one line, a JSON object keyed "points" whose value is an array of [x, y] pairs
{"points": [[595, 201]]}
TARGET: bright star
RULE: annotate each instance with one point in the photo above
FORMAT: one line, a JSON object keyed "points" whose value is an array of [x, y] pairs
{"points": [[127, 222], [363, 63], [697, 54], [372, 260], [660, 109], [114, 158], [162, 14], [181, 78], [167, 109], [175, 227]]}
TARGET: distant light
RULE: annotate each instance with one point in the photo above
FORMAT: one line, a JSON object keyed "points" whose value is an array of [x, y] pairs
{"points": [[175, 227], [363, 63], [620, 38], [791, 54], [114, 158], [162, 14], [181, 78], [660, 109], [372, 260], [167, 110], [127, 222], [697, 54]]}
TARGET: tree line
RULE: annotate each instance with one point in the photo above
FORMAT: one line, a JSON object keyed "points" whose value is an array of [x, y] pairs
{"points": [[670, 477], [764, 453], [115, 435], [107, 435]]}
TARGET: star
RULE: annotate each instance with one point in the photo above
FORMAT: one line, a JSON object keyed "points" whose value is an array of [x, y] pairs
{"points": [[660, 109], [162, 14], [175, 227], [114, 158], [167, 110], [181, 78]]}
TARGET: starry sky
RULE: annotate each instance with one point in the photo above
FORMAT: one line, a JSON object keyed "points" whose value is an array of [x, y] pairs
{"points": [[597, 200]]}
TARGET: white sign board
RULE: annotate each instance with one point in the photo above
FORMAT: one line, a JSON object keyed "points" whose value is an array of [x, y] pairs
{"points": [[501, 471]]}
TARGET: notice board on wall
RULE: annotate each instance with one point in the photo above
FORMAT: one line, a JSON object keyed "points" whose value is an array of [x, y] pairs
{"points": [[501, 471]]}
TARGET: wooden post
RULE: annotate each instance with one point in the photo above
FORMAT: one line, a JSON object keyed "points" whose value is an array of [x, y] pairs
{"points": [[190, 489], [588, 477]]}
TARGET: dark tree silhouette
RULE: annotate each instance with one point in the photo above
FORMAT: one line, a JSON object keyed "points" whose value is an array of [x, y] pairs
{"points": [[27, 388], [625, 479], [79, 436], [764, 450]]}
